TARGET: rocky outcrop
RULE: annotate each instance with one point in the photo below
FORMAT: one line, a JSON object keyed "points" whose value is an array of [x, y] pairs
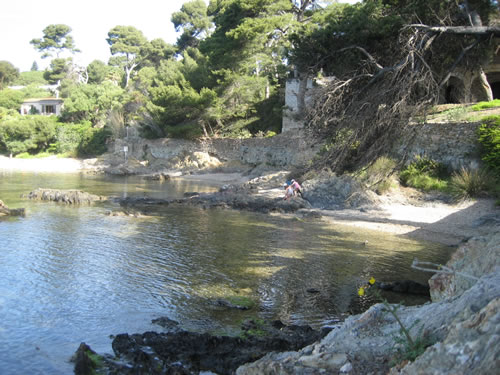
{"points": [[236, 197], [75, 197], [182, 352], [463, 325], [479, 256], [6, 211]]}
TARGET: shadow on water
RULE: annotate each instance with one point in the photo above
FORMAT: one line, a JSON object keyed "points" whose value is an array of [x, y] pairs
{"points": [[72, 274]]}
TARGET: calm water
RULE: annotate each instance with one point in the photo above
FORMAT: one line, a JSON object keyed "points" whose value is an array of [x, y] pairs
{"points": [[73, 274]]}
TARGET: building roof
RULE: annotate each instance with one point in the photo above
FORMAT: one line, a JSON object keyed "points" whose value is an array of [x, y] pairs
{"points": [[37, 100]]}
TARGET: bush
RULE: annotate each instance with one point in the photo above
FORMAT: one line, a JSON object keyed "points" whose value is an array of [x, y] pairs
{"points": [[489, 138], [27, 133], [424, 174], [470, 183]]}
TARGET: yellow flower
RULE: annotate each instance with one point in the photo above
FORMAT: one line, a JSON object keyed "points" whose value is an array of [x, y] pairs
{"points": [[361, 291], [371, 281]]}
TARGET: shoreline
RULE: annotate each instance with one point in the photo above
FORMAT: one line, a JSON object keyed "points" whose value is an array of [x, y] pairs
{"points": [[432, 220]]}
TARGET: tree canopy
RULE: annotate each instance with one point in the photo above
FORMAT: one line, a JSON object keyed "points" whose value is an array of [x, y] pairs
{"points": [[56, 39]]}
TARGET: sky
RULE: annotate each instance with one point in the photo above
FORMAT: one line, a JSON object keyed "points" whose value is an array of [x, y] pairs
{"points": [[90, 21]]}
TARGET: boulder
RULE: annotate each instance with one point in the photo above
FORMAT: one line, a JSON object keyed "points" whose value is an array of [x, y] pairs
{"points": [[64, 196]]}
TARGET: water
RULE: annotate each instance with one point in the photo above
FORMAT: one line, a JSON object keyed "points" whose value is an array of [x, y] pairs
{"points": [[74, 274]]}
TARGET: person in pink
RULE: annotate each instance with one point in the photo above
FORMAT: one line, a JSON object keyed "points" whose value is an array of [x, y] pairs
{"points": [[297, 189]]}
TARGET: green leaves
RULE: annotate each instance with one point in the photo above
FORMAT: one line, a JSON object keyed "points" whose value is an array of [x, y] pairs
{"points": [[56, 39]]}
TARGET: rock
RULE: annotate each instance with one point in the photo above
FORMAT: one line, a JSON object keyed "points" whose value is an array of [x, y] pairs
{"points": [[194, 352], [64, 196], [404, 286], [84, 365], [470, 259], [6, 211], [464, 328]]}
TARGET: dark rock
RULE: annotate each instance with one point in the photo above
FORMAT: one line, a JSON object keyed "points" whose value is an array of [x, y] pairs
{"points": [[64, 196], [184, 352], [405, 286], [84, 365]]}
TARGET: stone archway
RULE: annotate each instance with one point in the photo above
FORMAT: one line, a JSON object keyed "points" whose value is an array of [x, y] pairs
{"points": [[454, 91]]}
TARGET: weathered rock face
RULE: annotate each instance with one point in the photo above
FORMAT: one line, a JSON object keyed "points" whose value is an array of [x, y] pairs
{"points": [[64, 196], [470, 259], [465, 330], [328, 191], [293, 149]]}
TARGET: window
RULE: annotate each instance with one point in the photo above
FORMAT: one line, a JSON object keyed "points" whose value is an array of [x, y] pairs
{"points": [[50, 109]]}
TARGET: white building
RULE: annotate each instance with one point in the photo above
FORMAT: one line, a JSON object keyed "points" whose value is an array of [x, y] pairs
{"points": [[42, 106]]}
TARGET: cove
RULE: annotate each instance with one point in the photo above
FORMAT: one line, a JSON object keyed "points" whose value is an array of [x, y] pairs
{"points": [[72, 274]]}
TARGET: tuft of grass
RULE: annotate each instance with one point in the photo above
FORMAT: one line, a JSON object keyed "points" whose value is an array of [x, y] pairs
{"points": [[485, 105], [471, 183]]}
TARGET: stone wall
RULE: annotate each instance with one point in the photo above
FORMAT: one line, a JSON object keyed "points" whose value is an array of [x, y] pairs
{"points": [[291, 150], [453, 144]]}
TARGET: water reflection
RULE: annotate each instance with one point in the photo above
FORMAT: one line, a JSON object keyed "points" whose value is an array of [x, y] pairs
{"points": [[72, 274]]}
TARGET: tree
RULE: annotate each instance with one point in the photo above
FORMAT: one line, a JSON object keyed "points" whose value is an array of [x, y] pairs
{"points": [[369, 103], [8, 73], [156, 51], [194, 23], [59, 70], [56, 39], [92, 102], [97, 71], [126, 44], [34, 67]]}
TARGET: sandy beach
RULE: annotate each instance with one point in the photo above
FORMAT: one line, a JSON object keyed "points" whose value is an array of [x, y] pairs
{"points": [[48, 164]]}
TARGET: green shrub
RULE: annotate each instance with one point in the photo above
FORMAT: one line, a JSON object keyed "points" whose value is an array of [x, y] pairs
{"points": [[31, 134], [470, 183], [425, 174], [485, 105], [185, 131], [93, 141], [489, 138]]}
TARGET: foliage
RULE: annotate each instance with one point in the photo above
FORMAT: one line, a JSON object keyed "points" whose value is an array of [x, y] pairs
{"points": [[8, 73], [471, 183], [486, 105], [193, 21], [11, 99], [31, 134], [30, 77], [56, 39], [59, 69], [126, 44], [489, 138], [92, 102], [97, 71], [425, 174]]}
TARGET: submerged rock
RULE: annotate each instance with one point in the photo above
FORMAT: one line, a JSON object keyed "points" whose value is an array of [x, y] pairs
{"points": [[183, 352], [6, 211], [64, 196]]}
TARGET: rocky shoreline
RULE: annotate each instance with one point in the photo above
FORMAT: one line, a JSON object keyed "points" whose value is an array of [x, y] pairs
{"points": [[461, 325]]}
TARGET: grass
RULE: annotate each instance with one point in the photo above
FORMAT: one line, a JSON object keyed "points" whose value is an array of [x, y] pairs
{"points": [[486, 105], [425, 174], [470, 183]]}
